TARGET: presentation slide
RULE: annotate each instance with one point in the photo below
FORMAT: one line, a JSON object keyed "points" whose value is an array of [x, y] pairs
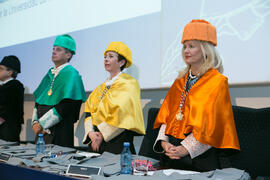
{"points": [[151, 28], [28, 20], [242, 31]]}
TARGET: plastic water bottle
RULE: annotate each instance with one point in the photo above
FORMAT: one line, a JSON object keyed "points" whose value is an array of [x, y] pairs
{"points": [[40, 146], [126, 160]]}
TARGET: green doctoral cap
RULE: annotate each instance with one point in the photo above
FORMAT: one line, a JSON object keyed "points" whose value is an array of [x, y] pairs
{"points": [[66, 41]]}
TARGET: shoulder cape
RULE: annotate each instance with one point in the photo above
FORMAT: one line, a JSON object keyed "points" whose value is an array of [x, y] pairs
{"points": [[67, 85], [207, 111], [120, 106]]}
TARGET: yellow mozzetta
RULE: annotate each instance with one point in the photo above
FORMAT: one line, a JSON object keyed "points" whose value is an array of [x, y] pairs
{"points": [[119, 107]]}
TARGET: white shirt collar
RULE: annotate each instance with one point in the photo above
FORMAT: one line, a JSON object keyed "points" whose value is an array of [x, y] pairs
{"points": [[4, 82], [56, 71], [109, 82]]}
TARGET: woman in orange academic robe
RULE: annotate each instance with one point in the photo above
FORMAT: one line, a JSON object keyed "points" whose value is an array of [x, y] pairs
{"points": [[196, 116]]}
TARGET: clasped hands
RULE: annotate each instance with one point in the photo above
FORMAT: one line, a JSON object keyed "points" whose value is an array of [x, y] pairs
{"points": [[96, 139], [174, 152]]}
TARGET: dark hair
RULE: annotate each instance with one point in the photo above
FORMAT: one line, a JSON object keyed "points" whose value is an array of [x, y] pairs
{"points": [[120, 58], [68, 51], [14, 73]]}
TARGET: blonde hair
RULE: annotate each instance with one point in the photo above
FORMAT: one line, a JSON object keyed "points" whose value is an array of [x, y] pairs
{"points": [[211, 59]]}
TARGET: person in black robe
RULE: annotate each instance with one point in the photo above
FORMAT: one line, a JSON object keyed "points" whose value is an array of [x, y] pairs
{"points": [[11, 99]]}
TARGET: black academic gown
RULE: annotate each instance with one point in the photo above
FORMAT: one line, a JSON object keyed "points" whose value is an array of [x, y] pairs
{"points": [[62, 133], [115, 145], [11, 110]]}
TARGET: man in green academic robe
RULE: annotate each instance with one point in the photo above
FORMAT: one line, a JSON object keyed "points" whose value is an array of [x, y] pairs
{"points": [[59, 96]]}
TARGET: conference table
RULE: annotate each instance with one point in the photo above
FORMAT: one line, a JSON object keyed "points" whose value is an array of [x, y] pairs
{"points": [[20, 162]]}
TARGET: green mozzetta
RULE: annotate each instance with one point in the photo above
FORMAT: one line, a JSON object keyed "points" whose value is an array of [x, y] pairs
{"points": [[67, 85]]}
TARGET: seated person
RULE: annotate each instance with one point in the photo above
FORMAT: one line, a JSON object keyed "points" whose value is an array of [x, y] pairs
{"points": [[196, 116], [113, 110]]}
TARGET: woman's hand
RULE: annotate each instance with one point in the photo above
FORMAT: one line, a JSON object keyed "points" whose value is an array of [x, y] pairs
{"points": [[166, 145], [96, 138], [176, 152]]}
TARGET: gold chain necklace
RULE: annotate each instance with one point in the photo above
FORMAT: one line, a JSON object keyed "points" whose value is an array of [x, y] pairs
{"points": [[180, 115], [50, 90], [55, 74], [104, 92]]}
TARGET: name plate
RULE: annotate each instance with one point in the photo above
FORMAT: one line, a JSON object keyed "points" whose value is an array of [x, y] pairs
{"points": [[82, 171], [5, 157]]}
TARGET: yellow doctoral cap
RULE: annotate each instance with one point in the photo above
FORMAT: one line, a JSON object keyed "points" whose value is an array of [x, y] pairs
{"points": [[121, 49]]}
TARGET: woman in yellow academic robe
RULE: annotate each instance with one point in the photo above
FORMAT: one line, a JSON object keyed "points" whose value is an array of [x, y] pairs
{"points": [[113, 110], [196, 116]]}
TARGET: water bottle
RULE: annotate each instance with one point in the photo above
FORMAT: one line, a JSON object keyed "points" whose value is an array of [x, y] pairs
{"points": [[126, 160], [40, 146]]}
